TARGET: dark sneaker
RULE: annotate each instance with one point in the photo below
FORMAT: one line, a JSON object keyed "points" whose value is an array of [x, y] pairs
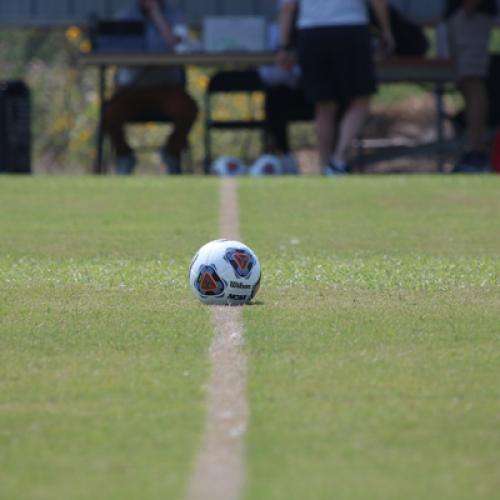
{"points": [[171, 163], [473, 162], [289, 164], [335, 168], [125, 164]]}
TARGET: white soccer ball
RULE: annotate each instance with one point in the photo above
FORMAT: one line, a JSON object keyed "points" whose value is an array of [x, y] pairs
{"points": [[228, 166], [266, 165], [225, 272]]}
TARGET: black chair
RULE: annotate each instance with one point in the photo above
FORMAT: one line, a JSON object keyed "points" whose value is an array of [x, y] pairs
{"points": [[232, 82]]}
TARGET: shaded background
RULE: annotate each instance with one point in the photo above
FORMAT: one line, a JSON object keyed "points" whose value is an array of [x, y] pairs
{"points": [[40, 42]]}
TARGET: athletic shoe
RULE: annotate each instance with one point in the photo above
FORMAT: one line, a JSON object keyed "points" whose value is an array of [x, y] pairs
{"points": [[125, 164], [171, 163], [335, 168], [473, 162]]}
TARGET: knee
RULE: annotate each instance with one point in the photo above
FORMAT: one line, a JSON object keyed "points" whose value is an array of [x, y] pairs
{"points": [[326, 111], [182, 107], [362, 102]]}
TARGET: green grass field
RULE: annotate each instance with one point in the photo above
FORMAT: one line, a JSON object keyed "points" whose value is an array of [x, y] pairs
{"points": [[373, 345]]}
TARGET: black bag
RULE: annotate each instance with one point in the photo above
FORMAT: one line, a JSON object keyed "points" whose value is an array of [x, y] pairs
{"points": [[15, 127], [493, 84]]}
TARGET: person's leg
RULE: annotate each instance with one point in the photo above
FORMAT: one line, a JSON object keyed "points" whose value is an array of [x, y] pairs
{"points": [[476, 111], [278, 100], [356, 83], [182, 109], [325, 112], [122, 106], [350, 126], [316, 58], [469, 41], [283, 105], [174, 102]]}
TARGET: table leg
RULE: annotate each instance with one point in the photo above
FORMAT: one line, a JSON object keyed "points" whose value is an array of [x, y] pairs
{"points": [[207, 137], [440, 126], [98, 166]]}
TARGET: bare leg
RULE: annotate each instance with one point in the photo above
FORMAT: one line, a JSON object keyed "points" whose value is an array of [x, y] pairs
{"points": [[325, 129], [119, 109], [476, 111], [173, 101], [183, 110], [350, 126]]}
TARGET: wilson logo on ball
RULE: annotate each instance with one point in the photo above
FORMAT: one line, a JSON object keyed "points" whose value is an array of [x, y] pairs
{"points": [[241, 261], [208, 282]]}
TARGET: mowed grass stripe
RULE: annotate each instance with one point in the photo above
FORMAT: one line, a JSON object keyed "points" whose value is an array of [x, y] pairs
{"points": [[219, 472], [102, 347], [374, 362]]}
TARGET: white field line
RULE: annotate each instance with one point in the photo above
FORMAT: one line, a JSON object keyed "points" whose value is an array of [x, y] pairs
{"points": [[219, 472]]}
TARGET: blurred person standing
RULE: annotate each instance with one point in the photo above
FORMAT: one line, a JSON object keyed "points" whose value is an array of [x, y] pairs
{"points": [[285, 100], [149, 89], [336, 57], [469, 25]]}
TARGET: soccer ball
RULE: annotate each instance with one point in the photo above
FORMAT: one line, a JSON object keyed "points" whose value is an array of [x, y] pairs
{"points": [[225, 272], [266, 165], [228, 166]]}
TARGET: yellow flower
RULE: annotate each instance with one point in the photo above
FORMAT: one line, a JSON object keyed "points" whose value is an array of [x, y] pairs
{"points": [[85, 135], [73, 33], [201, 82], [85, 46], [62, 123]]}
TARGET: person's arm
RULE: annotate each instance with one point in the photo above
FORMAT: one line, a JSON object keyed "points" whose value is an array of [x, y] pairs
{"points": [[154, 12], [382, 14], [286, 18]]}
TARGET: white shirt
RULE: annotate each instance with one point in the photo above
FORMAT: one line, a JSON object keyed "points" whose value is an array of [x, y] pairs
{"points": [[318, 13]]}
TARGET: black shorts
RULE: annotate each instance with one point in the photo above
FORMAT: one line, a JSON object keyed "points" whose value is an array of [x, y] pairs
{"points": [[337, 63]]}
